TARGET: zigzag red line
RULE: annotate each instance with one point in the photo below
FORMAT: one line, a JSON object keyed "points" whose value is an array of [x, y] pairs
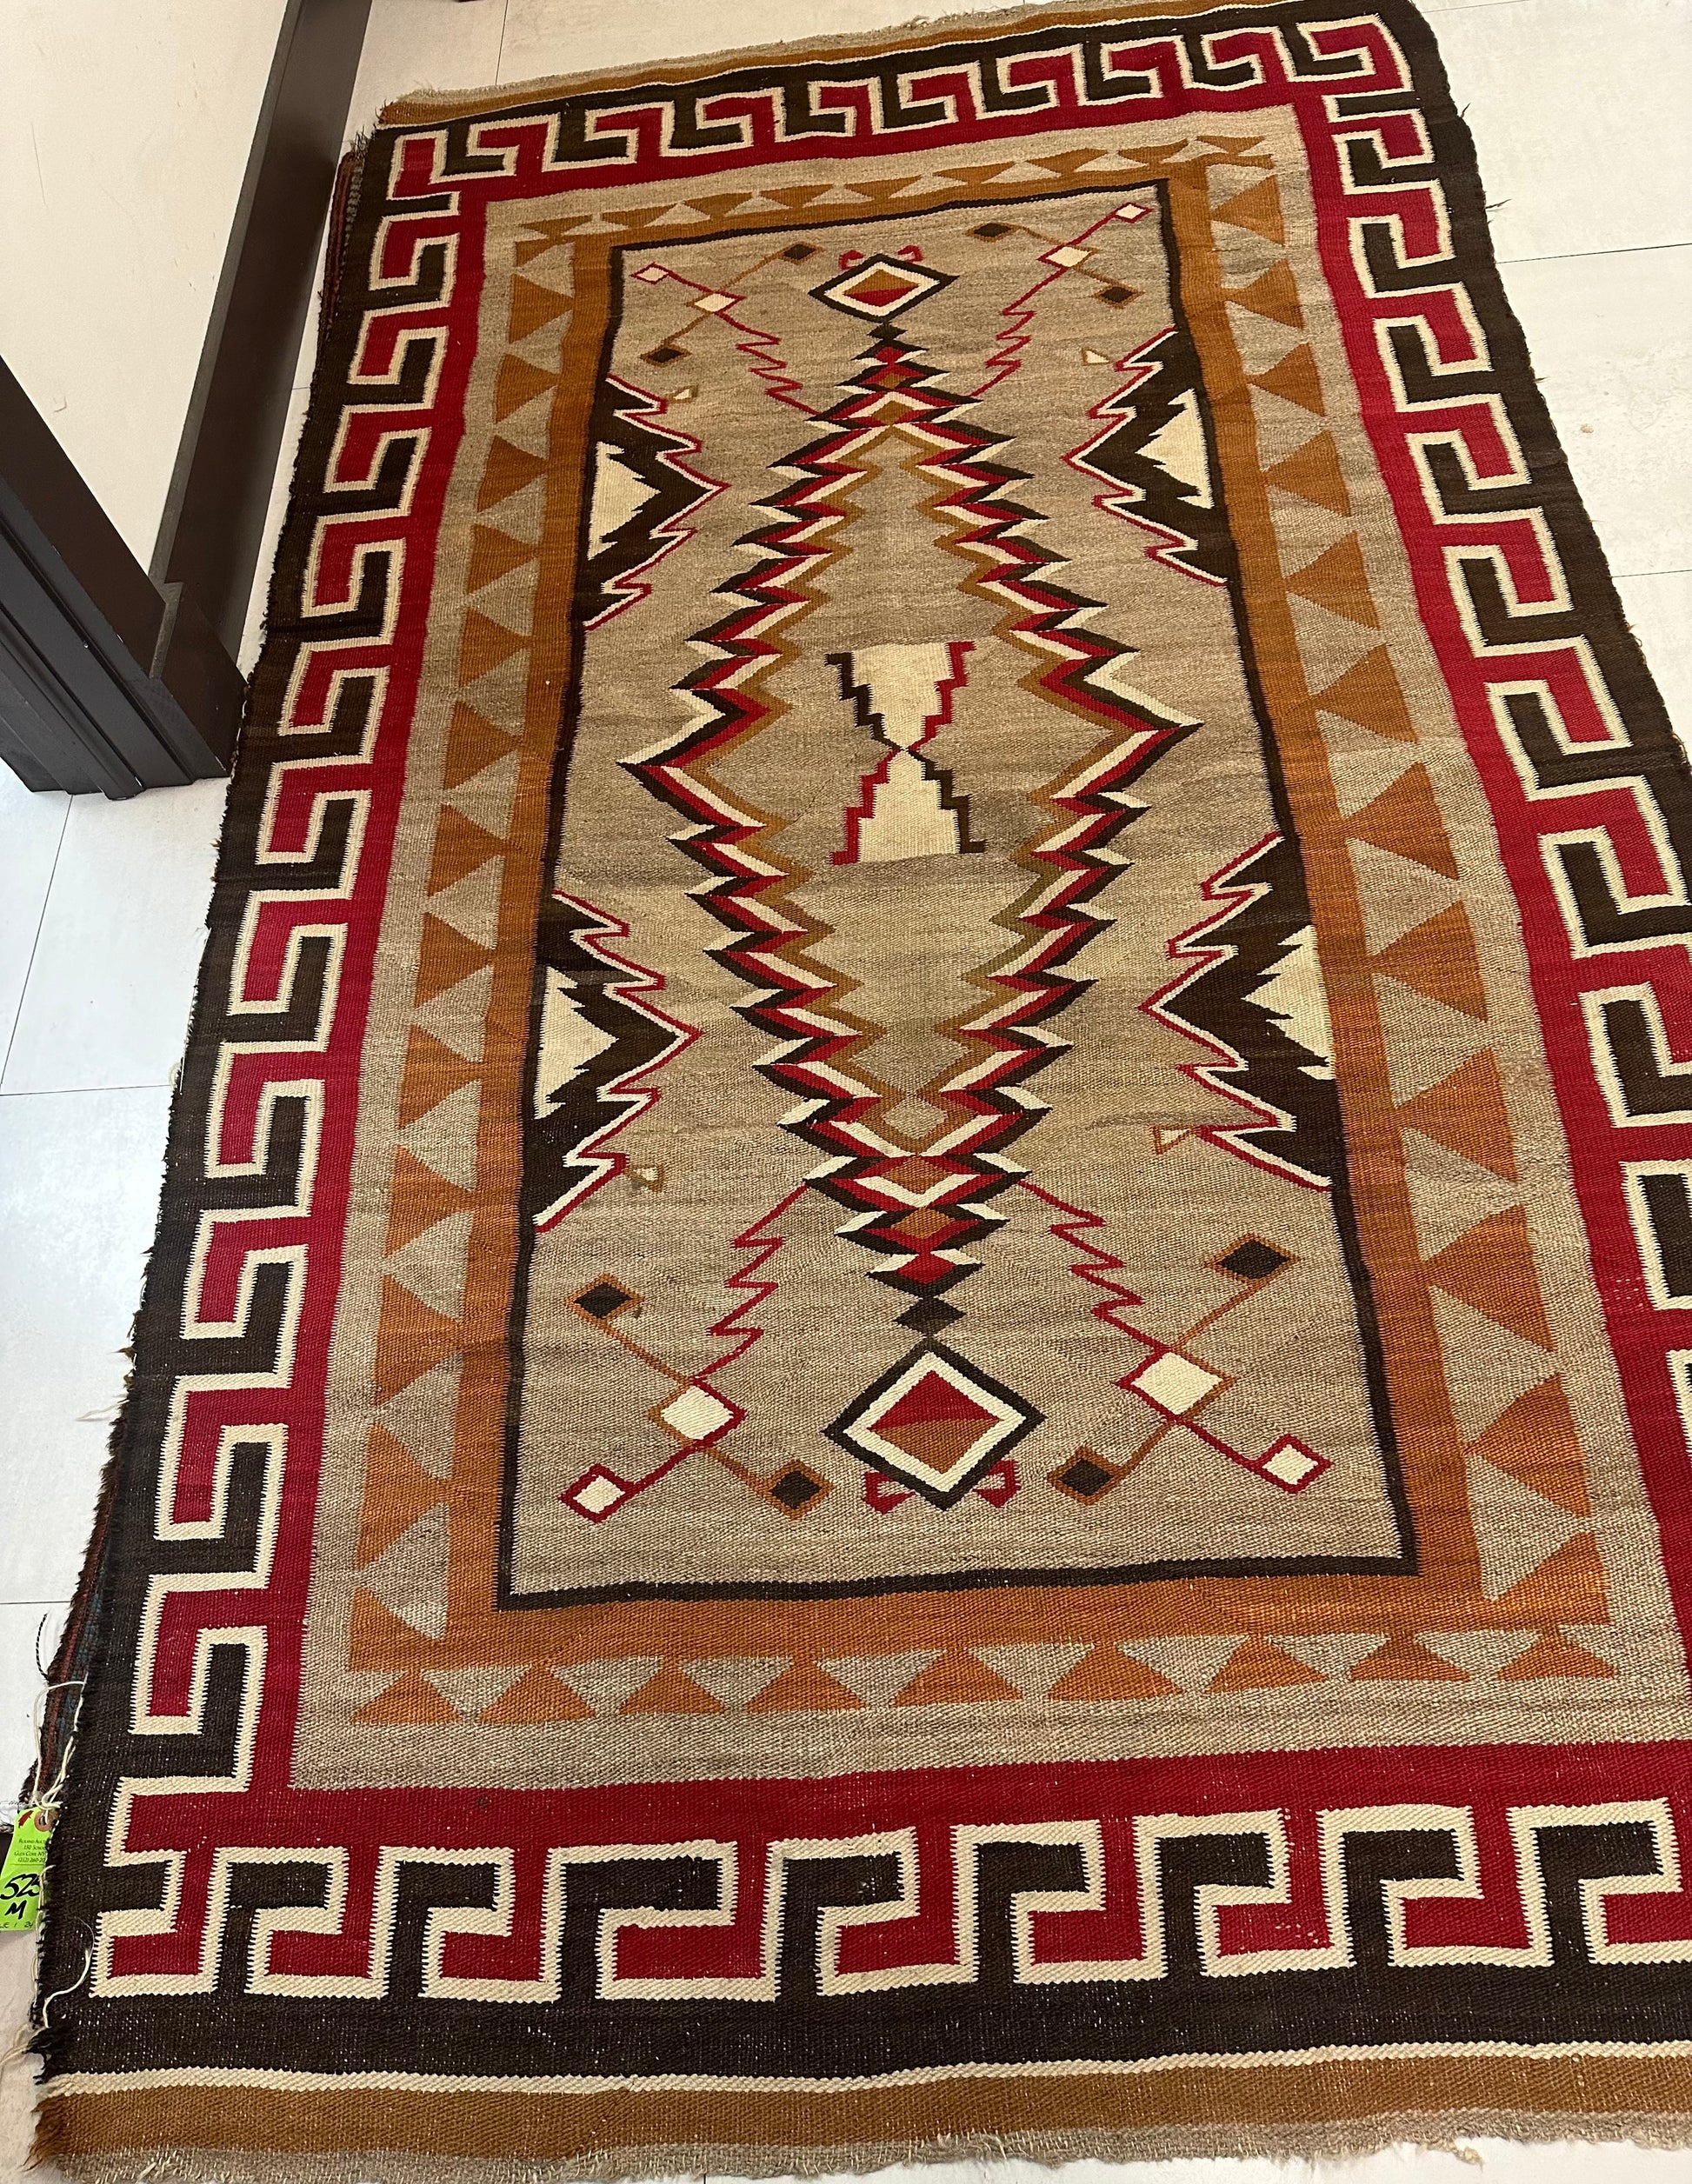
{"points": [[1099, 1265], [766, 1248]]}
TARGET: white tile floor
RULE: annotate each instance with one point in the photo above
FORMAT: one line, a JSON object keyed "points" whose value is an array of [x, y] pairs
{"points": [[102, 906]]}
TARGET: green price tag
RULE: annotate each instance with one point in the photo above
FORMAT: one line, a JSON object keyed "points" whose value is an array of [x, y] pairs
{"points": [[20, 1877]]}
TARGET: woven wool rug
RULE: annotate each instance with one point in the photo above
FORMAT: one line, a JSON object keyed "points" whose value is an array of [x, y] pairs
{"points": [[915, 1375]]}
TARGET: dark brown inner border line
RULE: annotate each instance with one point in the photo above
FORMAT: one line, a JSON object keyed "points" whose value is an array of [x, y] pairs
{"points": [[1407, 1561]]}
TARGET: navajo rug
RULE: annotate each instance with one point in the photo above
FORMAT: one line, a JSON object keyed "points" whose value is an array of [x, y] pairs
{"points": [[918, 1374]]}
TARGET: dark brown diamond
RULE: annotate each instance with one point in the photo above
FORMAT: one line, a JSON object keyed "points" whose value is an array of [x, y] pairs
{"points": [[1252, 1260], [795, 1489], [990, 230], [928, 1315], [602, 1299], [1085, 1478], [796, 253], [1116, 295], [665, 353]]}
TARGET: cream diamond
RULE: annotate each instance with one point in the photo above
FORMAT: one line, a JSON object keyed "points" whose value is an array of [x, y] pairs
{"points": [[1175, 1383], [696, 1413], [599, 1494]]}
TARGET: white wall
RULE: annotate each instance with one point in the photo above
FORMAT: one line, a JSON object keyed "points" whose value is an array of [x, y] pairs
{"points": [[124, 131]]}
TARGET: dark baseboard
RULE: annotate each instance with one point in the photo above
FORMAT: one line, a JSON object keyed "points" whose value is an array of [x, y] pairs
{"points": [[118, 679]]}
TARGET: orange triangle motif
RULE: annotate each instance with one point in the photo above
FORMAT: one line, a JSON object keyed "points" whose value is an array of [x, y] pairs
{"points": [[805, 1688], [519, 381], [1465, 1112], [413, 1338], [671, 1692], [634, 220], [508, 469], [721, 201], [798, 195], [445, 956], [1554, 1654], [461, 848], [413, 1699], [398, 1490], [485, 644], [1492, 1269], [433, 1073], [1258, 1665], [1294, 379], [1338, 580], [531, 247], [473, 744], [1068, 162], [1534, 1441], [1405, 819], [1437, 957], [376, 1638], [880, 191], [559, 231], [1258, 209], [493, 555], [1406, 1659], [1314, 474], [1145, 154], [533, 307], [1566, 1588], [1273, 294], [537, 1695], [1108, 1673], [418, 1200], [1368, 694], [955, 1679]]}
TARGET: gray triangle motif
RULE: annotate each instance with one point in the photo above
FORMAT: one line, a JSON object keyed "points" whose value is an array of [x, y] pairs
{"points": [[737, 1680], [458, 1017], [1033, 1669], [423, 1417], [1448, 1193], [607, 1684], [410, 1576], [878, 1678], [445, 1139], [432, 1266]]}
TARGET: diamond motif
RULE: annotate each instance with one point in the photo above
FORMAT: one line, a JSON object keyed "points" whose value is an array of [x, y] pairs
{"points": [[1176, 1384], [696, 1413], [604, 1300], [1291, 1465], [796, 1488], [936, 1423], [1252, 1260], [928, 1315], [881, 288]]}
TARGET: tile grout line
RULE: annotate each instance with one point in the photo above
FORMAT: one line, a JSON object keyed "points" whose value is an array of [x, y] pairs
{"points": [[80, 1091], [34, 945], [1615, 251]]}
